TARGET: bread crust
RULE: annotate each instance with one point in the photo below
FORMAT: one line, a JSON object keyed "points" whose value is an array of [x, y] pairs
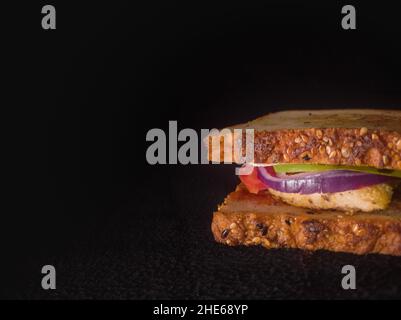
{"points": [[249, 219], [366, 144], [336, 146]]}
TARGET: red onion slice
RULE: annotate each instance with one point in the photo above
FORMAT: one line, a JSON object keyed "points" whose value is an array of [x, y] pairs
{"points": [[319, 182]]}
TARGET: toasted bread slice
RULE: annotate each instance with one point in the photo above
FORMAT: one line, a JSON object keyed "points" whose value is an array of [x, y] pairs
{"points": [[355, 137], [259, 219]]}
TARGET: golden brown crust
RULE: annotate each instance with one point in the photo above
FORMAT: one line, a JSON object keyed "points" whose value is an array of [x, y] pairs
{"points": [[336, 146], [366, 144], [249, 219]]}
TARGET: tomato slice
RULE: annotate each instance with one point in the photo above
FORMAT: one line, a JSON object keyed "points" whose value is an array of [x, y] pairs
{"points": [[252, 182]]}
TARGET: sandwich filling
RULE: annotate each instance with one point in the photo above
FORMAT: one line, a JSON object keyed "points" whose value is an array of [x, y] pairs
{"points": [[325, 187]]}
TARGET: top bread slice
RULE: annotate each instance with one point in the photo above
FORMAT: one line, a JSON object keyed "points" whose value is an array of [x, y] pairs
{"points": [[354, 137]]}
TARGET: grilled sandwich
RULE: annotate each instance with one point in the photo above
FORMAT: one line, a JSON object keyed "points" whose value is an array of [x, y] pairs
{"points": [[318, 179]]}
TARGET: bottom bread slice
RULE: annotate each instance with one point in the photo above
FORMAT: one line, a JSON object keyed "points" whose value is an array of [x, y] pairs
{"points": [[259, 219]]}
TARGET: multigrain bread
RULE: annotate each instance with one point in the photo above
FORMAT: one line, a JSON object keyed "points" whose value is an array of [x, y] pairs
{"points": [[259, 219], [357, 137]]}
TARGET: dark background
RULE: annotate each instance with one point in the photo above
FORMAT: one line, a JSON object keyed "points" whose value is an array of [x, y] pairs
{"points": [[83, 197]]}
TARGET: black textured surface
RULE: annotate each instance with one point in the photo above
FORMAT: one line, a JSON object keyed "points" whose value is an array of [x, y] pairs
{"points": [[167, 252], [82, 196]]}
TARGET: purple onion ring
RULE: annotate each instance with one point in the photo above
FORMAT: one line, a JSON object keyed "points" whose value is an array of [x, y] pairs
{"points": [[320, 182]]}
